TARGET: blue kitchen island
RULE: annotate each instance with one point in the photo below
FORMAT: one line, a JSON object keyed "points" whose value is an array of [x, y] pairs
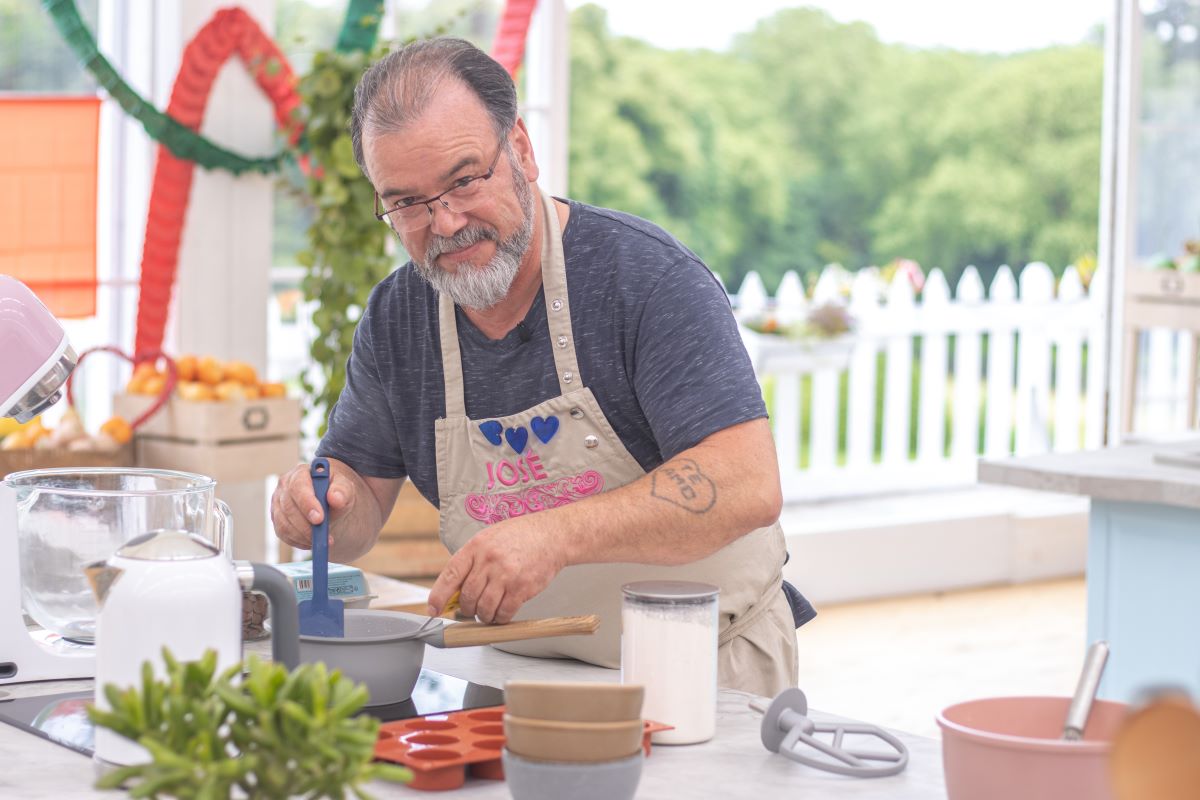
{"points": [[1143, 562]]}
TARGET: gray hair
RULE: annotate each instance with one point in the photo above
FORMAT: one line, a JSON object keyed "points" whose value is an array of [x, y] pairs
{"points": [[398, 88]]}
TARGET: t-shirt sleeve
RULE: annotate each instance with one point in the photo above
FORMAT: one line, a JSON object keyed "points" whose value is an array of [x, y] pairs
{"points": [[691, 371], [362, 431]]}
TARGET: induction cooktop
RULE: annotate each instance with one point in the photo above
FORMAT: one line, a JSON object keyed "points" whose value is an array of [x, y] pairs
{"points": [[62, 718]]}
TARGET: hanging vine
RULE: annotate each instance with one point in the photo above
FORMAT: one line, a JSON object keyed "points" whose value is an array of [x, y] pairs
{"points": [[347, 251]]}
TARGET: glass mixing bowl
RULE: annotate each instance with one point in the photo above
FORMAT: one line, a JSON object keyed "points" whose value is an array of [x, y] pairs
{"points": [[68, 518]]}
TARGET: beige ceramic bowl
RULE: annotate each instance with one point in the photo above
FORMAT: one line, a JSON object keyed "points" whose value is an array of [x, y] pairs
{"points": [[544, 740], [573, 701]]}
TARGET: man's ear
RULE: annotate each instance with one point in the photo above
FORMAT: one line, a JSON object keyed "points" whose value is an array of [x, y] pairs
{"points": [[523, 148]]}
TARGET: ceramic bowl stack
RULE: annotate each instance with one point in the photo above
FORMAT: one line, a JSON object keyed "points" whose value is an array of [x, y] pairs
{"points": [[568, 739]]}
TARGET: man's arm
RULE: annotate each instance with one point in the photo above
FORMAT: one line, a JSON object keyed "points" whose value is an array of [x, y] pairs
{"points": [[688, 508], [358, 506]]}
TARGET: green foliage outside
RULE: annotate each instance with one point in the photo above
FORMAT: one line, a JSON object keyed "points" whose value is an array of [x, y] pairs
{"points": [[268, 734], [813, 142], [808, 142], [33, 57]]}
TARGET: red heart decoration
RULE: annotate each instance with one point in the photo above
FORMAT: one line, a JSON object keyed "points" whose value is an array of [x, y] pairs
{"points": [[149, 355]]}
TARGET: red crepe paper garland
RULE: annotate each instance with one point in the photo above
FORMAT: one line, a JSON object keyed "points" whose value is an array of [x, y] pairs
{"points": [[230, 30]]}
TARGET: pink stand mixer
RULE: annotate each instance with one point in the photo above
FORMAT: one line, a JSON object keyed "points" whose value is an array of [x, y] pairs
{"points": [[37, 357], [55, 523], [36, 361]]}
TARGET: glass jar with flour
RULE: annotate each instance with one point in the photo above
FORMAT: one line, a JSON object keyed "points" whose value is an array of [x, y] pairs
{"points": [[669, 646]]}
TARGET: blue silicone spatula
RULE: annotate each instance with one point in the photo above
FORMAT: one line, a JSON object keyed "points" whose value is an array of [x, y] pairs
{"points": [[322, 615]]}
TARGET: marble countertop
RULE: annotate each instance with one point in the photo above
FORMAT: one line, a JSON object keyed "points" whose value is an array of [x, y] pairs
{"points": [[733, 765], [1134, 473]]}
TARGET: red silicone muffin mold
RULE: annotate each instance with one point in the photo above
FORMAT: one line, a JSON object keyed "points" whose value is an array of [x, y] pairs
{"points": [[441, 749]]}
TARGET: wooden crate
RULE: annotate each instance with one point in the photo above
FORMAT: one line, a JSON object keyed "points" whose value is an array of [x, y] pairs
{"points": [[215, 422], [230, 442], [21, 460], [408, 545], [1163, 286], [225, 463]]}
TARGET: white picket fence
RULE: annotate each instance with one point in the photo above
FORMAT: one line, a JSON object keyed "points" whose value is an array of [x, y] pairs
{"points": [[906, 414], [928, 386]]}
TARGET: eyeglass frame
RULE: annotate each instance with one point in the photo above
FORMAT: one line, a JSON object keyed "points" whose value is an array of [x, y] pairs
{"points": [[382, 216]]}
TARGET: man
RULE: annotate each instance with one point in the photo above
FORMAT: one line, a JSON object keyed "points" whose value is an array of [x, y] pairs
{"points": [[542, 355]]}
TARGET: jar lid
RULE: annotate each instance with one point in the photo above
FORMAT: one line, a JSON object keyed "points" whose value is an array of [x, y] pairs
{"points": [[670, 592], [168, 545]]}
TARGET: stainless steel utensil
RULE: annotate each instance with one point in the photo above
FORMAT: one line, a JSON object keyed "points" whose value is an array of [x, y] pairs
{"points": [[1085, 691]]}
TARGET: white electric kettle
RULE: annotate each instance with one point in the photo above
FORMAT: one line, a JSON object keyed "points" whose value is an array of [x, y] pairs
{"points": [[174, 589]]}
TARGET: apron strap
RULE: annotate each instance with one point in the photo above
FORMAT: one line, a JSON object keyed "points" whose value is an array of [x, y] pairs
{"points": [[735, 629], [452, 374], [558, 304], [558, 318]]}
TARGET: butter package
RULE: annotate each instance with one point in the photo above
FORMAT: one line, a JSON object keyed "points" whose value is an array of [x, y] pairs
{"points": [[345, 582]]}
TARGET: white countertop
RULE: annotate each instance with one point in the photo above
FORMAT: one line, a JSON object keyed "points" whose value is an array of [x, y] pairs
{"points": [[1136, 473], [733, 765]]}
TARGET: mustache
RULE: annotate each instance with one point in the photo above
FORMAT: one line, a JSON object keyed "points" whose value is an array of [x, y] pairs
{"points": [[464, 238]]}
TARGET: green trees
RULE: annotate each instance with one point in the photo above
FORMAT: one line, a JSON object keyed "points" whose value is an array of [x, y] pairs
{"points": [[33, 58], [811, 141]]}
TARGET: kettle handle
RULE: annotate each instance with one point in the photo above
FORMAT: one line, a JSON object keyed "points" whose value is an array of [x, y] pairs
{"points": [[285, 618]]}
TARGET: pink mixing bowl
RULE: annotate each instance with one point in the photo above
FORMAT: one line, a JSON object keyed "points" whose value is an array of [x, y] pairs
{"points": [[1009, 748]]}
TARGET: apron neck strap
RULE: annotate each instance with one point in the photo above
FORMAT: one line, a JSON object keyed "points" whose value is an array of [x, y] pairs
{"points": [[558, 318], [558, 304]]}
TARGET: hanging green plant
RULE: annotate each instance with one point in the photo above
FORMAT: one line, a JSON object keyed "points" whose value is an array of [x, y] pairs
{"points": [[347, 251], [347, 247]]}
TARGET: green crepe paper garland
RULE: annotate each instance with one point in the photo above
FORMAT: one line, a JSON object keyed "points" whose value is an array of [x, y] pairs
{"points": [[359, 31]]}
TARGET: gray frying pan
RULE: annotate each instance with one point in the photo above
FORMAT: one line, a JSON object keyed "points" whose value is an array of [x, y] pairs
{"points": [[384, 650]]}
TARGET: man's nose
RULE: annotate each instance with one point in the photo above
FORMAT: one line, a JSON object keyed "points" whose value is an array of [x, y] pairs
{"points": [[443, 221]]}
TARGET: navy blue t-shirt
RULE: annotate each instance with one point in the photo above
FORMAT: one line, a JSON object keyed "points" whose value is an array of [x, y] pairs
{"points": [[654, 335]]}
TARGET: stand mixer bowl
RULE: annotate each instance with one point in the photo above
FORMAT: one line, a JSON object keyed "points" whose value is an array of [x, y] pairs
{"points": [[68, 518]]}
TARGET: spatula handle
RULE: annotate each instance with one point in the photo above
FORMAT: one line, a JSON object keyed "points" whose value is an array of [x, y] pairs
{"points": [[468, 634], [319, 471]]}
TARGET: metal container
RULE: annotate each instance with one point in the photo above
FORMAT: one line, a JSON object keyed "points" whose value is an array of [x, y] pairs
{"points": [[384, 649]]}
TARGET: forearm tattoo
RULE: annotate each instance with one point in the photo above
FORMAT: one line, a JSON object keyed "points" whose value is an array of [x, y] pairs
{"points": [[681, 482]]}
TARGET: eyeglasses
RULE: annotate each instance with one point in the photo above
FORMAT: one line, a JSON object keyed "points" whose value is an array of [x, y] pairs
{"points": [[411, 214]]}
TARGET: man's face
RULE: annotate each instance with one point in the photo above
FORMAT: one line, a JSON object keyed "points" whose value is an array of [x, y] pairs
{"points": [[474, 255]]}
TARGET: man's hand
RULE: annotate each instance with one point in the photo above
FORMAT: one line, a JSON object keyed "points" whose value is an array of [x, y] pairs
{"points": [[356, 509], [499, 570]]}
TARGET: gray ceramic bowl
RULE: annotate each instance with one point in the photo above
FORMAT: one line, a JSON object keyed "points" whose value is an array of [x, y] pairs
{"points": [[546, 780], [372, 654]]}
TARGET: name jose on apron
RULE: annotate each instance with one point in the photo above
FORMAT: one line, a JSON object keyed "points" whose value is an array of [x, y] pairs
{"points": [[564, 450]]}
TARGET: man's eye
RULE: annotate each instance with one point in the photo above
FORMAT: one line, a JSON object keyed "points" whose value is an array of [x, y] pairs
{"points": [[406, 202], [461, 182]]}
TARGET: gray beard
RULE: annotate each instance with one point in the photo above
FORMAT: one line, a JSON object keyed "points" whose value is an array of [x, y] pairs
{"points": [[480, 288]]}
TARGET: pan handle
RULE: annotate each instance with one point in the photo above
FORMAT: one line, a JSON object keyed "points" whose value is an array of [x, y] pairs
{"points": [[469, 634]]}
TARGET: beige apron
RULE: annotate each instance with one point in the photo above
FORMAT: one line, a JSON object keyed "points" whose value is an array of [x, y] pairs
{"points": [[563, 450]]}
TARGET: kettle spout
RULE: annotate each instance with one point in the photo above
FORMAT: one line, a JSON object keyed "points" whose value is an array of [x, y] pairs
{"points": [[102, 577]]}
